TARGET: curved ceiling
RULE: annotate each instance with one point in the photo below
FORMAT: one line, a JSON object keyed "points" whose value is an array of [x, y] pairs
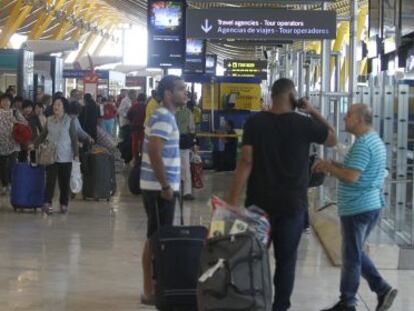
{"points": [[93, 16]]}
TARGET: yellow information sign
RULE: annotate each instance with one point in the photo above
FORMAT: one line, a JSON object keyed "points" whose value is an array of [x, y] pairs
{"points": [[207, 101], [247, 95]]}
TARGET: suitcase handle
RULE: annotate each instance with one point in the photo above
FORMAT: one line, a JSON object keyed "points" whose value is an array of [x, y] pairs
{"points": [[181, 203]]}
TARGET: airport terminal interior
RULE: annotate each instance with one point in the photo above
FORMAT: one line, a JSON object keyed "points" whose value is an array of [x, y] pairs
{"points": [[73, 224]]}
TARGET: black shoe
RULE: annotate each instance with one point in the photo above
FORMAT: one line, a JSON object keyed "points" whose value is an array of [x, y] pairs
{"points": [[385, 301], [340, 306]]}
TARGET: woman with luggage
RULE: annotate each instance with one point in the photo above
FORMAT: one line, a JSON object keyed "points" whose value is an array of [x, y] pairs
{"points": [[8, 145], [61, 136]]}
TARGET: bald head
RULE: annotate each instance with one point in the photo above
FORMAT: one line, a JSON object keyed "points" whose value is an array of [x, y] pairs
{"points": [[364, 112]]}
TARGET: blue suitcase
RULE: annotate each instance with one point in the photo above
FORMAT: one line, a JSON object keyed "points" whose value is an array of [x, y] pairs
{"points": [[28, 186]]}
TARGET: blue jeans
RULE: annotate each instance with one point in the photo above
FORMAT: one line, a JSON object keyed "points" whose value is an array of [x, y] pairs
{"points": [[286, 233], [355, 231], [109, 126]]}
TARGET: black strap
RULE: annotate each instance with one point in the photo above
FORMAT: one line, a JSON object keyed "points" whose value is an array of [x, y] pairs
{"points": [[181, 201]]}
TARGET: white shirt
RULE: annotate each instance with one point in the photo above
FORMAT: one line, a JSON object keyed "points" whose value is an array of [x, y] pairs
{"points": [[123, 111]]}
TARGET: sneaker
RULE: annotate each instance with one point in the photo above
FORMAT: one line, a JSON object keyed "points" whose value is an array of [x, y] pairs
{"points": [[188, 197], [385, 301], [148, 301], [47, 209], [63, 209], [340, 306]]}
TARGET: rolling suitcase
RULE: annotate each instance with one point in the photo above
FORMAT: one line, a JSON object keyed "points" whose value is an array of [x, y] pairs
{"points": [[28, 186], [176, 254], [99, 180]]}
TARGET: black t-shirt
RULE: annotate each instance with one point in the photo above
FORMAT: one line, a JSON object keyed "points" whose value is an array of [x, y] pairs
{"points": [[279, 179]]}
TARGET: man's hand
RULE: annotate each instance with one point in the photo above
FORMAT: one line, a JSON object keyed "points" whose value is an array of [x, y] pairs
{"points": [[306, 106], [322, 166], [167, 194]]}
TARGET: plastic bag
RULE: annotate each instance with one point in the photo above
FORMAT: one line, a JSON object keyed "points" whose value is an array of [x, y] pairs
{"points": [[76, 182], [228, 220]]}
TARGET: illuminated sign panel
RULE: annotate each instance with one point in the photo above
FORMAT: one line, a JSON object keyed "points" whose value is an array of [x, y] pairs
{"points": [[275, 24], [166, 34], [246, 68]]}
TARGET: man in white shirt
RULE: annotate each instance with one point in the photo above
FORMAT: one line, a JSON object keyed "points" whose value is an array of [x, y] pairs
{"points": [[126, 103]]}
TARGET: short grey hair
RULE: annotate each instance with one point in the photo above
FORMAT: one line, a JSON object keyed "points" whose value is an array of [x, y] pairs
{"points": [[365, 113]]}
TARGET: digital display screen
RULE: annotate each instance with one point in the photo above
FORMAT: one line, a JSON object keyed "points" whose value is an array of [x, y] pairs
{"points": [[211, 64], [166, 29], [374, 18], [194, 56], [388, 18], [407, 17]]}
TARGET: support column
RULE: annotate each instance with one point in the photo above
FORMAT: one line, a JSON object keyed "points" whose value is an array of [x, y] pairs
{"points": [[353, 42]]}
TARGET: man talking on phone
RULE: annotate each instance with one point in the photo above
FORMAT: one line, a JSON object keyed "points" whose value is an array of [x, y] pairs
{"points": [[275, 165]]}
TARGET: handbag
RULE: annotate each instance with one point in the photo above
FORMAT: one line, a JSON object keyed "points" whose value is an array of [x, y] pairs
{"points": [[46, 154], [22, 133], [187, 141], [315, 179]]}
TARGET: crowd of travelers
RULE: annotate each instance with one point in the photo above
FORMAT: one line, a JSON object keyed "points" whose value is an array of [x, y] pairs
{"points": [[158, 132]]}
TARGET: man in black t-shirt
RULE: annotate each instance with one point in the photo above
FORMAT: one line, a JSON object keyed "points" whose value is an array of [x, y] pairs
{"points": [[274, 163]]}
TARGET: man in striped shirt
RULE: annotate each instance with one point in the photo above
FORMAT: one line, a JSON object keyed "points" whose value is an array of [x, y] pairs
{"points": [[160, 169], [360, 199]]}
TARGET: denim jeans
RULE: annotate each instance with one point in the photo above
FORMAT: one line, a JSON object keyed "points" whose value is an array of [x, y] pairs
{"points": [[355, 231], [286, 233], [109, 126]]}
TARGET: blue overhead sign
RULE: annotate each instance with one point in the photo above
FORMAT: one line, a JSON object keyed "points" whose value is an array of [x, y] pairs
{"points": [[80, 74], [274, 24]]}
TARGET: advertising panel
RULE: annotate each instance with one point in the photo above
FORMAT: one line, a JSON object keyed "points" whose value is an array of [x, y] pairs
{"points": [[166, 34]]}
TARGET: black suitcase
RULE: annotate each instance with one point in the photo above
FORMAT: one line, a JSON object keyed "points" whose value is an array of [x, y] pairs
{"points": [[99, 181], [176, 252]]}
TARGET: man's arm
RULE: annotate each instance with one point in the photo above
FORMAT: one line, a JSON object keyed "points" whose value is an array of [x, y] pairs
{"points": [[331, 140], [242, 174], [342, 173], [155, 146]]}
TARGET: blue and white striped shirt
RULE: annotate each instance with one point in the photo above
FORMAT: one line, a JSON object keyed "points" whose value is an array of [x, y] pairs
{"points": [[162, 124], [368, 156]]}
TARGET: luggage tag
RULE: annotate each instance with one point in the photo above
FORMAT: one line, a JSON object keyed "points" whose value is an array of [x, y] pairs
{"points": [[217, 228], [210, 272], [239, 227]]}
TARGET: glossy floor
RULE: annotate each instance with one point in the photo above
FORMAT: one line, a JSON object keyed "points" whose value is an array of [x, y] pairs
{"points": [[90, 258]]}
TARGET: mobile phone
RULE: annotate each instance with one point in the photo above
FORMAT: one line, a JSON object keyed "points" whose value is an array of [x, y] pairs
{"points": [[293, 101]]}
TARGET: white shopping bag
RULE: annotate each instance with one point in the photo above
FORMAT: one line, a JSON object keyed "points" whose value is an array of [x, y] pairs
{"points": [[76, 182]]}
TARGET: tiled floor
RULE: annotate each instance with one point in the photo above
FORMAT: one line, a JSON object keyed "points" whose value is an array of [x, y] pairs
{"points": [[90, 258]]}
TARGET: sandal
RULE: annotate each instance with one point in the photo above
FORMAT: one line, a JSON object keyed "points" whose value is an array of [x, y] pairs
{"points": [[47, 209]]}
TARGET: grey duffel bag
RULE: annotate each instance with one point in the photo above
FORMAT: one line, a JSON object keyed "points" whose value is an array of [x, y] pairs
{"points": [[235, 275]]}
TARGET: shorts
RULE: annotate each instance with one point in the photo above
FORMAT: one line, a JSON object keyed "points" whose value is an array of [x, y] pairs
{"points": [[151, 200]]}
